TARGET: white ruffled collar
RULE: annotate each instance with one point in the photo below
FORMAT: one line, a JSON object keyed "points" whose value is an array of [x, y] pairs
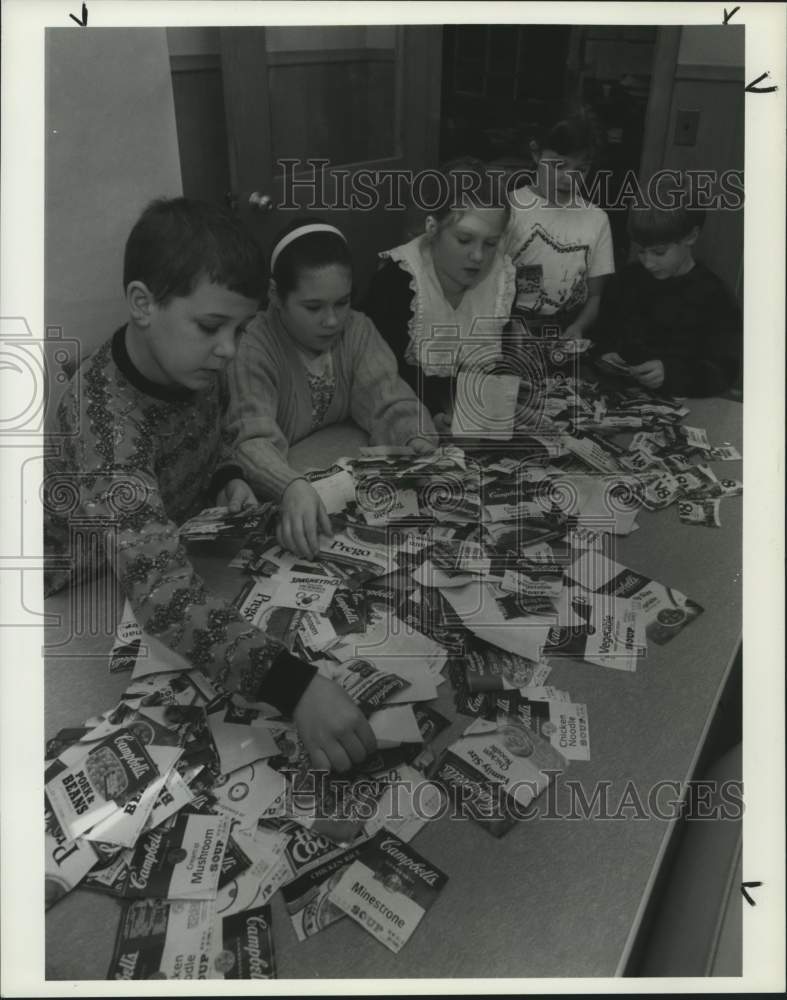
{"points": [[491, 299]]}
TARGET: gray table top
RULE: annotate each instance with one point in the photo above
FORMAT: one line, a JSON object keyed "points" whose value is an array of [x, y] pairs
{"points": [[557, 896]]}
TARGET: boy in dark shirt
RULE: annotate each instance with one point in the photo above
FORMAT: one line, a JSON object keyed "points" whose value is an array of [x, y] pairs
{"points": [[666, 320]]}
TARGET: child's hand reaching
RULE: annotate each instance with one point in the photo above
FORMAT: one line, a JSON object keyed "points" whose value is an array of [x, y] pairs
{"points": [[303, 519], [650, 374], [236, 494], [333, 729]]}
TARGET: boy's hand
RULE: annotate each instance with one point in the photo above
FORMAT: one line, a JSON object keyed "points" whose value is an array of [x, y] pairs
{"points": [[421, 444], [333, 729], [236, 494], [650, 374], [303, 519]]}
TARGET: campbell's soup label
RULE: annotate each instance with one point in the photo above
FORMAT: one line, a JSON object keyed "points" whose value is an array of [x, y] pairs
{"points": [[388, 889]]}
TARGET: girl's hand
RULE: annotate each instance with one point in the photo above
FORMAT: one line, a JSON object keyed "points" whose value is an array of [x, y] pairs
{"points": [[650, 374], [333, 729], [236, 494], [303, 519]]}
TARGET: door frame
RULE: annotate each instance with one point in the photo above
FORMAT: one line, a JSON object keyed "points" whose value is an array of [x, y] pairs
{"points": [[657, 113]]}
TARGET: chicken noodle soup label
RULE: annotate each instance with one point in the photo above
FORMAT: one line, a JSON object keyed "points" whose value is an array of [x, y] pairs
{"points": [[563, 724], [158, 939]]}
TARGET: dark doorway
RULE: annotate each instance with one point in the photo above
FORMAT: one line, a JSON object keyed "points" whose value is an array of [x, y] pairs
{"points": [[504, 84]]}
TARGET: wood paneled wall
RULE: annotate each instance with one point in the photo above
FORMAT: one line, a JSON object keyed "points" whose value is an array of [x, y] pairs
{"points": [[348, 113]]}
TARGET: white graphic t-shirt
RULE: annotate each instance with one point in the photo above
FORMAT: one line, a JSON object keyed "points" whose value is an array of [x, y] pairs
{"points": [[555, 251]]}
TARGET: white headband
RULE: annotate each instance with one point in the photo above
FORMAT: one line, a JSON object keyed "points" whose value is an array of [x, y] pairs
{"points": [[314, 227]]}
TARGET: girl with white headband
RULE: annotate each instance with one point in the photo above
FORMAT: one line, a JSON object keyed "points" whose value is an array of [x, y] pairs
{"points": [[307, 362]]}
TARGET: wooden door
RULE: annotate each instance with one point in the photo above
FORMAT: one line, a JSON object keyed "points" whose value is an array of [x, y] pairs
{"points": [[363, 100]]}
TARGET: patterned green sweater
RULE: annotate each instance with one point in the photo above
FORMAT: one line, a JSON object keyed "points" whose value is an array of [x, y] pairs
{"points": [[132, 460]]}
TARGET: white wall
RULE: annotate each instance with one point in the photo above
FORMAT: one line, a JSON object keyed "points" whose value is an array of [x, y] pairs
{"points": [[712, 45], [111, 148], [193, 41]]}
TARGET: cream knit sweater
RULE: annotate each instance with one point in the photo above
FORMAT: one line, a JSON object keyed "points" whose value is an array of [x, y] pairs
{"points": [[270, 400]]}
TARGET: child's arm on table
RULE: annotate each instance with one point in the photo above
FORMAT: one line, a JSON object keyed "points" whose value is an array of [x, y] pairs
{"points": [[172, 602], [261, 446], [303, 519], [381, 401]]}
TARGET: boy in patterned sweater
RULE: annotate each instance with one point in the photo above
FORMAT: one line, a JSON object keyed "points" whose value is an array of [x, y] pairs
{"points": [[140, 448]]}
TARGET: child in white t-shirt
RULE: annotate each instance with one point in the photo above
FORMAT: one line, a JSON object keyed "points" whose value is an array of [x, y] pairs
{"points": [[561, 245]]}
